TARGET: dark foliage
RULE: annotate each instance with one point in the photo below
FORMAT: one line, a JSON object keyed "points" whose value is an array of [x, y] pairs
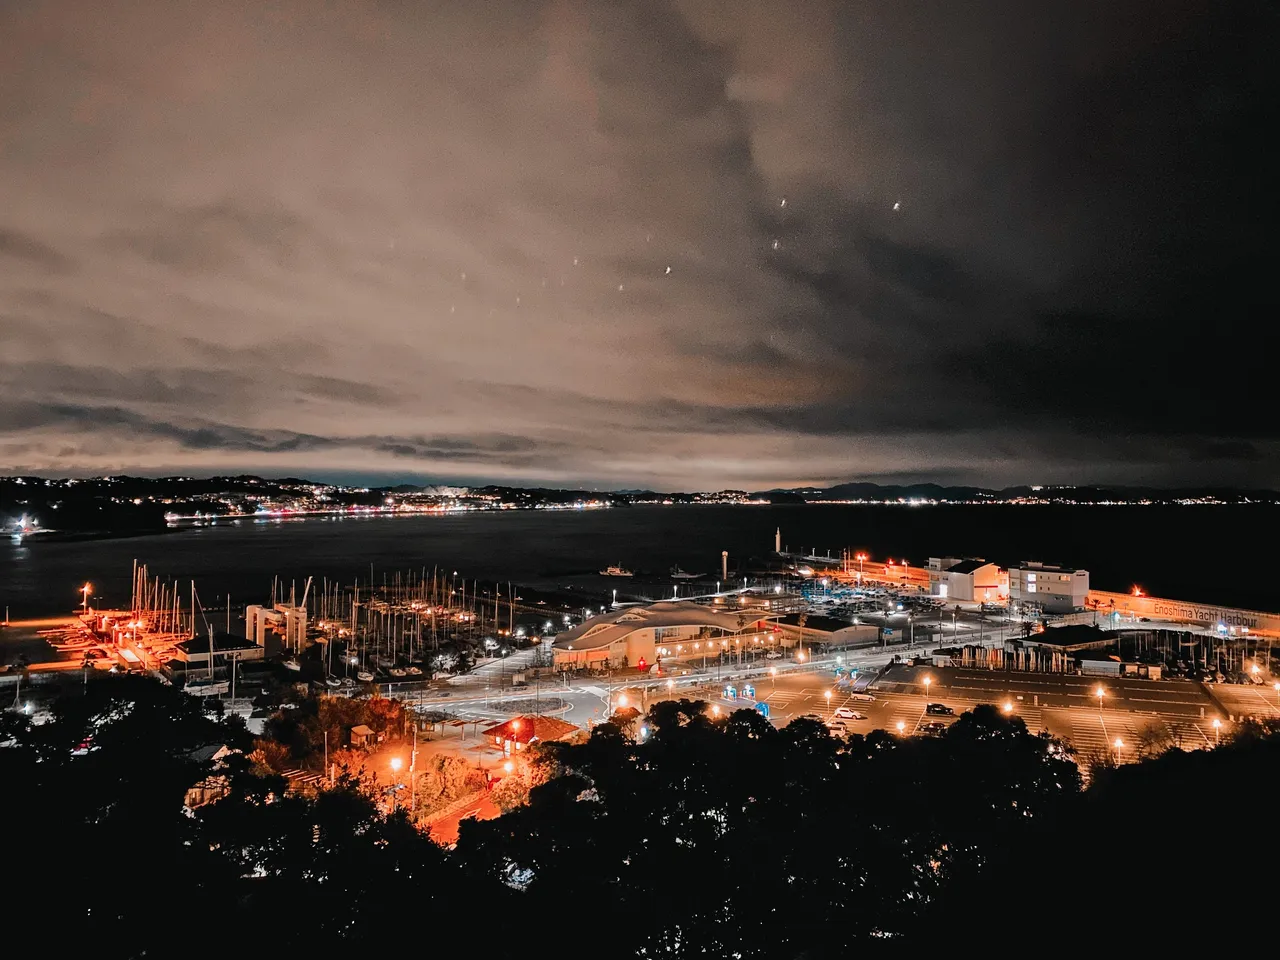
{"points": [[690, 836]]}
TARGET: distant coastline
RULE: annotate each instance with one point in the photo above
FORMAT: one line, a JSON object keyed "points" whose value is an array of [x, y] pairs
{"points": [[105, 507]]}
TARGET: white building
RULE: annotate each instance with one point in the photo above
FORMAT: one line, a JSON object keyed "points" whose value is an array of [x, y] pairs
{"points": [[966, 581], [1049, 588], [632, 635]]}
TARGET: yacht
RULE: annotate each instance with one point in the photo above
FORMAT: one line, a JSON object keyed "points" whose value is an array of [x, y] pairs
{"points": [[616, 571], [678, 574]]}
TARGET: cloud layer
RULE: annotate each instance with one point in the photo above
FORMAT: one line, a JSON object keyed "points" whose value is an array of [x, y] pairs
{"points": [[628, 242]]}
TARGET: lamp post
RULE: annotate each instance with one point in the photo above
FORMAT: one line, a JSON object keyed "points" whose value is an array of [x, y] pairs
{"points": [[1217, 731], [1276, 688], [901, 727], [827, 694], [927, 680], [1099, 693], [84, 602], [1119, 746], [396, 764]]}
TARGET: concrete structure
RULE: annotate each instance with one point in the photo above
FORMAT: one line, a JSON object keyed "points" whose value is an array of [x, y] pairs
{"points": [[1048, 588], [288, 621], [1232, 620], [825, 632], [966, 581], [631, 635]]}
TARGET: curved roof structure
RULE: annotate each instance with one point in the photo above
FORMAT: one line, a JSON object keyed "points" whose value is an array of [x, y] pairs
{"points": [[608, 628]]}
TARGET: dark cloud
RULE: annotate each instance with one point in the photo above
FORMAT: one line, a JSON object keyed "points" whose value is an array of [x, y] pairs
{"points": [[22, 250], [641, 243]]}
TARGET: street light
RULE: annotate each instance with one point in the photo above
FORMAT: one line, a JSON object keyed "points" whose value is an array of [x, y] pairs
{"points": [[927, 680], [508, 767], [901, 726], [84, 603], [1099, 693], [1276, 688], [1008, 706], [828, 696], [1217, 727], [1119, 747]]}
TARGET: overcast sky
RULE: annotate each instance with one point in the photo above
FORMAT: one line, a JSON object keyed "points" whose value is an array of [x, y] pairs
{"points": [[685, 244]]}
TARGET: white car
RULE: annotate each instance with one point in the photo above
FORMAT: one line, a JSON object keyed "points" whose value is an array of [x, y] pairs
{"points": [[773, 655], [844, 713]]}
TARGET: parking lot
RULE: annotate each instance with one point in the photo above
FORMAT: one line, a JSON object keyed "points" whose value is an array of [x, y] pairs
{"points": [[1135, 716]]}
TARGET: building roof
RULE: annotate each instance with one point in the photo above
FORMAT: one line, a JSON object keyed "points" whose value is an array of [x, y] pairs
{"points": [[821, 624], [1073, 637], [528, 729], [608, 628], [222, 643], [1035, 566], [969, 566]]}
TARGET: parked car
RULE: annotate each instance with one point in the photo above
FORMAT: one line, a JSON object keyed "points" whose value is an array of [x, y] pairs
{"points": [[862, 697], [933, 728], [939, 709], [844, 713]]}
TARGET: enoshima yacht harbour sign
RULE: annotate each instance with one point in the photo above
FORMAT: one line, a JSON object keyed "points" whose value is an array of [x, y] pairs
{"points": [[1186, 611]]}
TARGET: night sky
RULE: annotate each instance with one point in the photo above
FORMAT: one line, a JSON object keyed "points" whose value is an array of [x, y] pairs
{"points": [[641, 243]]}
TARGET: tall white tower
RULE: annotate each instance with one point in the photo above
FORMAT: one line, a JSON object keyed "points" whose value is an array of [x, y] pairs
{"points": [[724, 564], [777, 541]]}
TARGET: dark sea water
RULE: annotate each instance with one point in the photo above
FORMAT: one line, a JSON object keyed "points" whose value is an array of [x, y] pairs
{"points": [[1210, 554]]}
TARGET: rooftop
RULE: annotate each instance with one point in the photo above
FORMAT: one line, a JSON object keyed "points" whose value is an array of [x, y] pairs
{"points": [[607, 628], [970, 566], [1035, 566], [825, 624], [222, 643], [1073, 637], [528, 729]]}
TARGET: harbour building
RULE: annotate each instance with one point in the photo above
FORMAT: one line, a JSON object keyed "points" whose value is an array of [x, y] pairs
{"points": [[1048, 588]]}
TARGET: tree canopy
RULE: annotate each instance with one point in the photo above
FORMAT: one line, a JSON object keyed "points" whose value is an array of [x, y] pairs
{"points": [[679, 833]]}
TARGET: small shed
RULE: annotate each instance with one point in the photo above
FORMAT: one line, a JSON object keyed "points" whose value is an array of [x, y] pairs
{"points": [[362, 736]]}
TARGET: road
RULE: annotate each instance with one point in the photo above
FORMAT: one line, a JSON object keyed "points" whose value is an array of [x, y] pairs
{"points": [[1136, 712]]}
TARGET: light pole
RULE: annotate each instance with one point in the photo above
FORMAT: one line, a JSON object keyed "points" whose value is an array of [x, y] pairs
{"points": [[84, 602], [1119, 746], [828, 696], [396, 764], [413, 766], [1099, 693], [901, 727], [927, 680], [1276, 688], [1217, 731]]}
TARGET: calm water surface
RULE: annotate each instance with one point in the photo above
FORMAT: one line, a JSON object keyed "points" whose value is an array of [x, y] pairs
{"points": [[1212, 554]]}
